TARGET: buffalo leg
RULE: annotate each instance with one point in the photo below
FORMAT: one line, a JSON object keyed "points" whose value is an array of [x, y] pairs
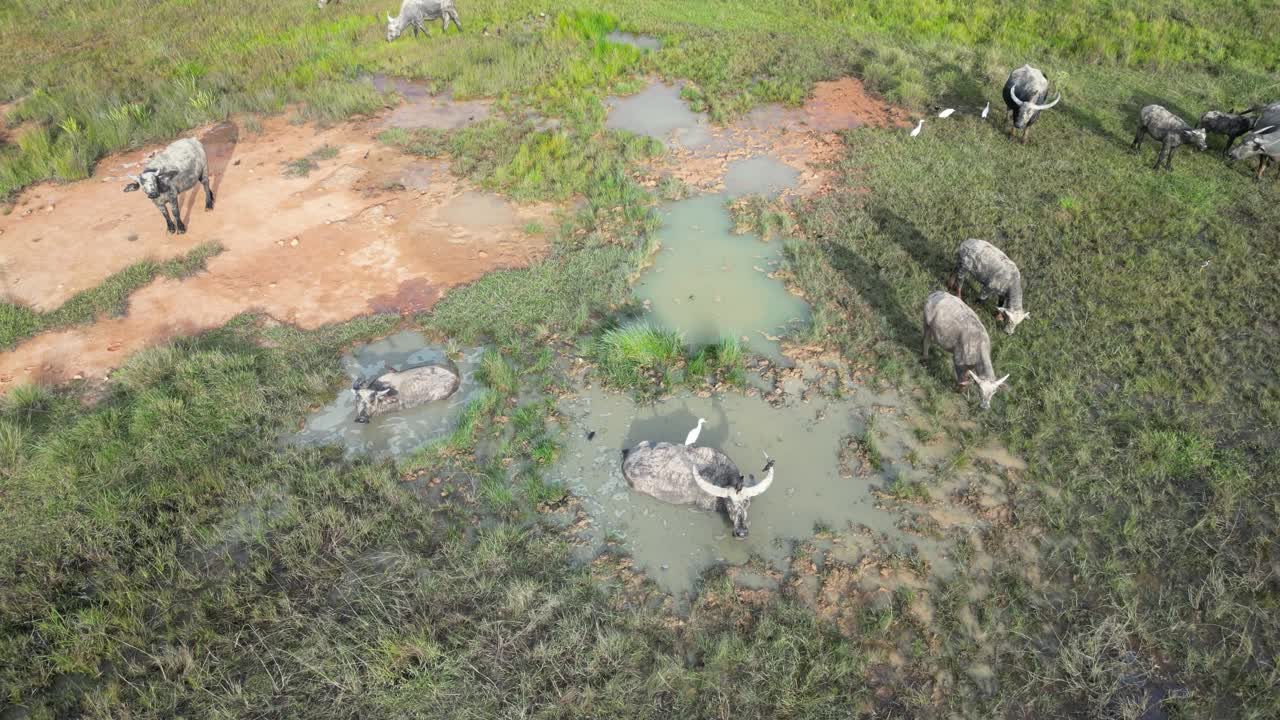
{"points": [[168, 221], [1160, 156], [177, 217], [1137, 139], [208, 192], [924, 346], [1168, 158]]}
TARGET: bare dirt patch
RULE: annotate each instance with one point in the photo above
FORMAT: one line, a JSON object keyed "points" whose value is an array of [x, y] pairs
{"points": [[805, 138], [370, 229]]}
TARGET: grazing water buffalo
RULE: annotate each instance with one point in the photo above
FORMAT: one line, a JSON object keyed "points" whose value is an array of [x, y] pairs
{"points": [[996, 273], [694, 475], [1024, 94], [952, 325], [415, 13], [1232, 125], [402, 390], [1263, 143], [1171, 130]]}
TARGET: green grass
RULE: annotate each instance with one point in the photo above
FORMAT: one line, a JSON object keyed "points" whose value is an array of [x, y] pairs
{"points": [[94, 88], [164, 555], [639, 355], [18, 322], [302, 167], [1162, 462], [762, 217], [653, 361]]}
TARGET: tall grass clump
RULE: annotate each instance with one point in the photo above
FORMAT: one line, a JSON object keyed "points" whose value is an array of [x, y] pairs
{"points": [[639, 356]]}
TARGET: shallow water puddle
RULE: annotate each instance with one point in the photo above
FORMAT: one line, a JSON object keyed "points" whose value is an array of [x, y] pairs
{"points": [[659, 112], [475, 208], [421, 109], [644, 42], [709, 283], [673, 543], [394, 434], [761, 175]]}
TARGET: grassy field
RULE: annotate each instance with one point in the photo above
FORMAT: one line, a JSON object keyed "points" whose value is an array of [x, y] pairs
{"points": [[166, 556]]}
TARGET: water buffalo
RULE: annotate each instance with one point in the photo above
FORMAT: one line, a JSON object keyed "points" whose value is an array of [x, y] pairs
{"points": [[404, 389], [1024, 94], [694, 475]]}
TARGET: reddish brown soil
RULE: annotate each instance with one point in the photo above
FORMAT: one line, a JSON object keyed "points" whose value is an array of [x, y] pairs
{"points": [[370, 230], [805, 138]]}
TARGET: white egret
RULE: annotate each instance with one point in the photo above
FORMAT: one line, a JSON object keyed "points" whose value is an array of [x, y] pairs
{"points": [[693, 434], [946, 113], [919, 127], [986, 110]]}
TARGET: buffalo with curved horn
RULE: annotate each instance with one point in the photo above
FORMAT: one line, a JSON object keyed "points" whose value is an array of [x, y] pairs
{"points": [[694, 475], [1024, 94]]}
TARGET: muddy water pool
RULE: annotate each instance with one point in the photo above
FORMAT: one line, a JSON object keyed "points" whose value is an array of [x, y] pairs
{"points": [[392, 434], [644, 42], [675, 544], [709, 283]]}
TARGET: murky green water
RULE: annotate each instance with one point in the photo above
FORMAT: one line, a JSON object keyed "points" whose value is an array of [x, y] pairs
{"points": [[675, 544], [644, 42], [709, 283], [762, 175], [394, 434], [658, 111]]}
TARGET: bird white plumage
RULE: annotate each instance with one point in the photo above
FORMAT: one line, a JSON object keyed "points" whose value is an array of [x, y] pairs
{"points": [[919, 127], [946, 113], [986, 109], [693, 434]]}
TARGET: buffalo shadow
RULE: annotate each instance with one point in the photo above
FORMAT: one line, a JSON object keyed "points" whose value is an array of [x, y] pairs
{"points": [[219, 144]]}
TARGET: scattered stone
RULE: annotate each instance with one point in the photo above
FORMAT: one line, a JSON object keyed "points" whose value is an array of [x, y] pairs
{"points": [[293, 242]]}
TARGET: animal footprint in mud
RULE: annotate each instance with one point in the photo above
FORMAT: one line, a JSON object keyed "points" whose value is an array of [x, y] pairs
{"points": [[115, 346]]}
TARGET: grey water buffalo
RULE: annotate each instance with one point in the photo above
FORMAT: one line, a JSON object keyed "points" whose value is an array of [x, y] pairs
{"points": [[1263, 144], [954, 327], [404, 389], [694, 475], [1024, 94], [996, 273], [416, 13], [171, 172], [1171, 130], [1230, 125]]}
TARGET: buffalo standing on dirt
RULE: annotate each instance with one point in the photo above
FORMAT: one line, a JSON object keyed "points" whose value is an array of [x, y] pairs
{"points": [[1024, 94], [995, 272], [415, 13], [1171, 130], [402, 390], [170, 173], [1231, 125], [952, 325]]}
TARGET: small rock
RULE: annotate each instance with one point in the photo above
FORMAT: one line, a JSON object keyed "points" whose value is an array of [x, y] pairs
{"points": [[273, 285], [293, 242], [280, 243], [48, 208], [78, 376]]}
